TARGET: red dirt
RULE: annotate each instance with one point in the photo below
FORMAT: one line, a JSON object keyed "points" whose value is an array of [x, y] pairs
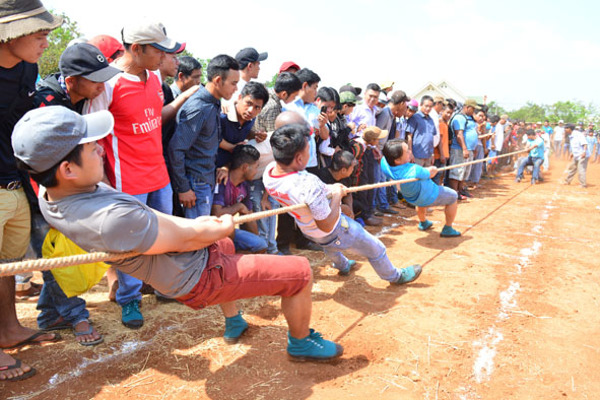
{"points": [[519, 284]]}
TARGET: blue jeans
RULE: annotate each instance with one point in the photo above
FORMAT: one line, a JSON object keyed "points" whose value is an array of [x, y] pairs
{"points": [[160, 200], [248, 241], [350, 235], [380, 199], [525, 161], [267, 227], [476, 169], [392, 193], [204, 197], [53, 304]]}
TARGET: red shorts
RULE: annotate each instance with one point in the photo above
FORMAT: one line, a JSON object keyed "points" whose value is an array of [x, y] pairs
{"points": [[229, 276]]}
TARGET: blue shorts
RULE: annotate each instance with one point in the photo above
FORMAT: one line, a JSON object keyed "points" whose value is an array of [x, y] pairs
{"points": [[446, 196]]}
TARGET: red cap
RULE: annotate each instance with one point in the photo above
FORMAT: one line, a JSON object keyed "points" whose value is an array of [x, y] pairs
{"points": [[107, 45], [180, 49], [287, 65]]}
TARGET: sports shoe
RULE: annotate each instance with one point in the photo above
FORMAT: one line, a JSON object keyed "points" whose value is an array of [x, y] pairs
{"points": [[131, 316], [378, 213], [313, 348], [346, 271], [409, 274], [310, 246], [423, 226], [518, 179], [234, 328], [388, 211], [373, 221], [466, 193], [448, 231]]}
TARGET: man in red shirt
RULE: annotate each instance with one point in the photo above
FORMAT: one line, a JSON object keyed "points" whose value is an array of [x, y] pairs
{"points": [[134, 161]]}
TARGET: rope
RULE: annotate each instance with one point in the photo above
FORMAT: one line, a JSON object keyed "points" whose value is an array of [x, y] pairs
{"points": [[45, 264]]}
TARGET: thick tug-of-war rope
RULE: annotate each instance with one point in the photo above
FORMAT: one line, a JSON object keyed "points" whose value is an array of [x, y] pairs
{"points": [[45, 264]]}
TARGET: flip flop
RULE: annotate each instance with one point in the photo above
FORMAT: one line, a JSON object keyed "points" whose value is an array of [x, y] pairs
{"points": [[88, 332], [16, 365], [31, 340]]}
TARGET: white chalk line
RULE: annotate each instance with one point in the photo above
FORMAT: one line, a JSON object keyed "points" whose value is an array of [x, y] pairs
{"points": [[484, 363], [112, 354]]}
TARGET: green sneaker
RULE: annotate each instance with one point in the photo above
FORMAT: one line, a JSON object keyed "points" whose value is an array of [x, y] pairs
{"points": [[423, 226], [346, 271], [234, 328], [409, 274], [313, 348], [448, 231], [131, 316]]}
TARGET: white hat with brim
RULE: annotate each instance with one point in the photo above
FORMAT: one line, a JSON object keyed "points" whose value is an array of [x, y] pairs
{"points": [[23, 17], [152, 33]]}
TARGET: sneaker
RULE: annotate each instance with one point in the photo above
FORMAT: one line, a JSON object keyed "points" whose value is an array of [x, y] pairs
{"points": [[448, 231], [377, 213], [285, 250], [388, 211], [423, 226], [373, 221], [131, 316], [466, 193], [234, 328], [310, 246], [313, 348], [346, 271], [518, 179], [409, 274]]}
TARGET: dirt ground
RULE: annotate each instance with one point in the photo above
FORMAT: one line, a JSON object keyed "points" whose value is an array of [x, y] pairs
{"points": [[508, 310]]}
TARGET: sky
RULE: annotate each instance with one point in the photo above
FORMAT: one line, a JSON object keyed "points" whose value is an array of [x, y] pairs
{"points": [[512, 51]]}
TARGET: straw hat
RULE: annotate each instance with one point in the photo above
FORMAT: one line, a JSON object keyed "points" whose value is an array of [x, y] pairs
{"points": [[23, 17]]}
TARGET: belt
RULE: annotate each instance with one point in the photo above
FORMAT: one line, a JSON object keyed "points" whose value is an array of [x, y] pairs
{"points": [[14, 185]]}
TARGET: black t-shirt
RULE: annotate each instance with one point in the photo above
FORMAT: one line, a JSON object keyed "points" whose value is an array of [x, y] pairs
{"points": [[17, 88], [325, 175], [168, 128], [50, 93]]}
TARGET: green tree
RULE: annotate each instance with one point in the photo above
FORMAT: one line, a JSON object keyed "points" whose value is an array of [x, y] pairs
{"points": [[495, 109], [530, 112], [571, 112], [58, 40], [271, 83]]}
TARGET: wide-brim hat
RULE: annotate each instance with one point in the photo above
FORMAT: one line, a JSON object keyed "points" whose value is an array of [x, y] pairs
{"points": [[24, 17]]}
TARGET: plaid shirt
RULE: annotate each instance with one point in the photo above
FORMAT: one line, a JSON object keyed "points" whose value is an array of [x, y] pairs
{"points": [[265, 122]]}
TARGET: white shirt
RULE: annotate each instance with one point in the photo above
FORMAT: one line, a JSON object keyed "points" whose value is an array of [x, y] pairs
{"points": [[578, 142], [436, 120], [299, 188], [559, 133], [499, 137]]}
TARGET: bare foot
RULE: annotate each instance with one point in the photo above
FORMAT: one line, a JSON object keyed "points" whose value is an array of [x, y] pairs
{"points": [[85, 326], [12, 337], [6, 362]]}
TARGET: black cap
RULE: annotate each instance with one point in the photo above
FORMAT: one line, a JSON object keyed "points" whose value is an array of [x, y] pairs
{"points": [[84, 59], [249, 55], [353, 89]]}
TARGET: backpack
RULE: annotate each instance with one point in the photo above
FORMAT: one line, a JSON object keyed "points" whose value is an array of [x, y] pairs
{"points": [[451, 133]]}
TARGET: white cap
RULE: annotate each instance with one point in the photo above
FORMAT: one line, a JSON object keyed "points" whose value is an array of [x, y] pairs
{"points": [[152, 33]]}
